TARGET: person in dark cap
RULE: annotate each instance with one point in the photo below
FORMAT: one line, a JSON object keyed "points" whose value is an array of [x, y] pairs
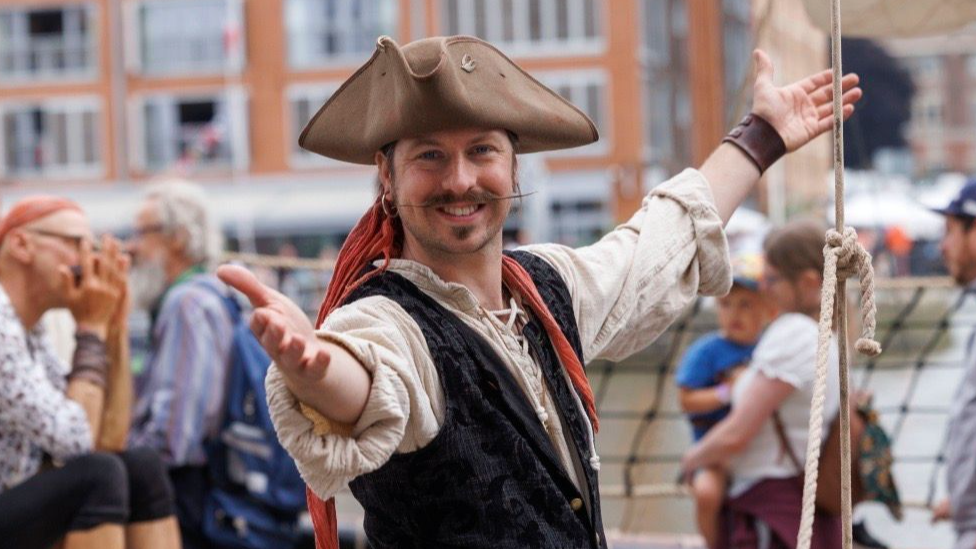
{"points": [[444, 381], [959, 252]]}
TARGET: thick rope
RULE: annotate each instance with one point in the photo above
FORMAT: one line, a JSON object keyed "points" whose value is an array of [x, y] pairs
{"points": [[843, 257]]}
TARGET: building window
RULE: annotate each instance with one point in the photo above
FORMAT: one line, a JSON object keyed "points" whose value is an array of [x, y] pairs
{"points": [[529, 27], [45, 43], [736, 50], [587, 90], [328, 32], [580, 221], [197, 36], [666, 98], [303, 103], [194, 133], [54, 139]]}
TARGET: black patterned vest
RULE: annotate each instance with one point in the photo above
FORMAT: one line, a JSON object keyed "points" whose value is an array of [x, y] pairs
{"points": [[490, 478]]}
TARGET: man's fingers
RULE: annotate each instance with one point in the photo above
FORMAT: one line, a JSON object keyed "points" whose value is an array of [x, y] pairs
{"points": [[272, 337], [827, 122], [825, 94], [245, 282], [67, 277], [87, 260], [259, 322], [291, 351], [814, 82], [849, 98]]}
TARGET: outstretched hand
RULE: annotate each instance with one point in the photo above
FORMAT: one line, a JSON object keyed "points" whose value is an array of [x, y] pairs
{"points": [[802, 110], [282, 328]]}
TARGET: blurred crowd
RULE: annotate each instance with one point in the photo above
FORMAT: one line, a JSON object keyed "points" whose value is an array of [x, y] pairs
{"points": [[100, 447]]}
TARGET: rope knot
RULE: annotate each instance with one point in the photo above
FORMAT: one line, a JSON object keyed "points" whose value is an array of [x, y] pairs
{"points": [[848, 250], [845, 257]]}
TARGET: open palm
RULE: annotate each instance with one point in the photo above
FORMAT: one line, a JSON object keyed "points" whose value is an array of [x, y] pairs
{"points": [[282, 327], [802, 110]]}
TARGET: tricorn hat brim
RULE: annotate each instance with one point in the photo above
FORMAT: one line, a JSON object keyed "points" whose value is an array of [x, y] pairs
{"points": [[438, 84]]}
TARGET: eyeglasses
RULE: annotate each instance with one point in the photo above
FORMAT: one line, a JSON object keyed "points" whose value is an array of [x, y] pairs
{"points": [[141, 232], [73, 239]]}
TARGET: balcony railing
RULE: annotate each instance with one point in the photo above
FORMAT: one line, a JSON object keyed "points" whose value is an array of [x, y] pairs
{"points": [[47, 57]]}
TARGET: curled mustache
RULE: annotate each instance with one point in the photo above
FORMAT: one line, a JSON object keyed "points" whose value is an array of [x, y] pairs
{"points": [[471, 198]]}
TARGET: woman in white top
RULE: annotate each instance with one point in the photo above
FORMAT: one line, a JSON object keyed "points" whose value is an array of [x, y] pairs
{"points": [[765, 483]]}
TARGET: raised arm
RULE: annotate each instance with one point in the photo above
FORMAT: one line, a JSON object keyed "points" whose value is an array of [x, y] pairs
{"points": [[799, 112], [96, 302]]}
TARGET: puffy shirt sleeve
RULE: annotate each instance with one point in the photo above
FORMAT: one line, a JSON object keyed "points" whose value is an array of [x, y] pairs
{"points": [[787, 350], [403, 409], [629, 286]]}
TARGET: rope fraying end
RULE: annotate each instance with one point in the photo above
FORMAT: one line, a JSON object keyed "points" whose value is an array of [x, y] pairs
{"points": [[868, 347]]}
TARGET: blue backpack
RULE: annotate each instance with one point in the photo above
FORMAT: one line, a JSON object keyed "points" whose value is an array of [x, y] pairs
{"points": [[256, 494]]}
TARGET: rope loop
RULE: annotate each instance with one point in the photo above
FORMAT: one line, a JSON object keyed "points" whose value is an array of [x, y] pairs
{"points": [[851, 259], [844, 257]]}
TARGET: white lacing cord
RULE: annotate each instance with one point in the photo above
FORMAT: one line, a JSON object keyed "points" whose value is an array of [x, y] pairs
{"points": [[514, 313]]}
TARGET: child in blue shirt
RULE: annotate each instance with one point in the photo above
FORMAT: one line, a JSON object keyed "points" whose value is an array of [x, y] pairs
{"points": [[708, 370]]}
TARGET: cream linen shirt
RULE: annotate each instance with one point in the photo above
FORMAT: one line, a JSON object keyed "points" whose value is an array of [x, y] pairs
{"points": [[626, 289]]}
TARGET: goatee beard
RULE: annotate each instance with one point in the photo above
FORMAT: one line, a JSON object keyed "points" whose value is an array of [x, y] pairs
{"points": [[147, 283]]}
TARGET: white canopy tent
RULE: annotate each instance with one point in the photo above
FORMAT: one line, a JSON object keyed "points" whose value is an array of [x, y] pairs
{"points": [[895, 18], [882, 210]]}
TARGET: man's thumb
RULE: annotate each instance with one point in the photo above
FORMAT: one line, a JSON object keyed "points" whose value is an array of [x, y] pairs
{"points": [[245, 282], [764, 66]]}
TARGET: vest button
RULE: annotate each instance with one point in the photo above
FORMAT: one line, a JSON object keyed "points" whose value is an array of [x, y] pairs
{"points": [[576, 504]]}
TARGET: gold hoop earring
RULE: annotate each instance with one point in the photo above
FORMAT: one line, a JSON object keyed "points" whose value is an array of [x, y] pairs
{"points": [[391, 210]]}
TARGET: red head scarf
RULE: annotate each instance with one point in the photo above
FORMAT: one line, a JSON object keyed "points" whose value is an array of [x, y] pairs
{"points": [[373, 237], [33, 208]]}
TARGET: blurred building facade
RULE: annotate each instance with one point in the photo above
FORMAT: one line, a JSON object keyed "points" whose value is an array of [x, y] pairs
{"points": [[942, 131], [99, 96]]}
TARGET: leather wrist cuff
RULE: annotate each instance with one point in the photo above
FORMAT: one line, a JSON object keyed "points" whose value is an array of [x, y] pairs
{"points": [[90, 361], [757, 138]]}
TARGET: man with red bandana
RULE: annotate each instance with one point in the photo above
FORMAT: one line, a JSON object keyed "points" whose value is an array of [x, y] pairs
{"points": [[444, 380], [53, 484]]}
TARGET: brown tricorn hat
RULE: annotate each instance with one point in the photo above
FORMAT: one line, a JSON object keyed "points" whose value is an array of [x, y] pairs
{"points": [[438, 84]]}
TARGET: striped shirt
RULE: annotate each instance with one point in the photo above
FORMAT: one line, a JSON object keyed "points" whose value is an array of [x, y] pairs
{"points": [[181, 393]]}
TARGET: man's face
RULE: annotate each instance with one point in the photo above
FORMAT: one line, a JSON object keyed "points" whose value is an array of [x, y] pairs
{"points": [[958, 249], [56, 242], [149, 249], [446, 186]]}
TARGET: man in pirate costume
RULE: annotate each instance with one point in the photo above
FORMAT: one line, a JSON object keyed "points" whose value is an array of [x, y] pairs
{"points": [[445, 380]]}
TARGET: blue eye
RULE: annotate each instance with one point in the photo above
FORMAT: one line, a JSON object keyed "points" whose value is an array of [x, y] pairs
{"points": [[429, 155], [482, 149]]}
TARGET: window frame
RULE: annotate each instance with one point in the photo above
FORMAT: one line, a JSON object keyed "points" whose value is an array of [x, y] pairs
{"points": [[65, 105], [238, 142], [298, 158], [579, 81], [522, 44], [318, 62], [134, 41], [93, 18]]}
